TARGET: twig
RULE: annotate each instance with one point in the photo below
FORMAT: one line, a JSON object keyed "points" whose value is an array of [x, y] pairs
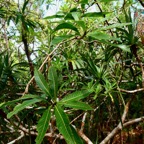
{"points": [[80, 132], [131, 91], [133, 121], [141, 2], [120, 125], [105, 20], [85, 138], [83, 121], [46, 59], [76, 118], [15, 140], [100, 104]]}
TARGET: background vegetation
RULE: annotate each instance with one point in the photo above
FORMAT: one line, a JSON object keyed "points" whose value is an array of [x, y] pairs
{"points": [[73, 77]]}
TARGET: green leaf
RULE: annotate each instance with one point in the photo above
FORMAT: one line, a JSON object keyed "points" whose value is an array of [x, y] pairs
{"points": [[20, 107], [77, 105], [18, 17], [43, 125], [62, 122], [40, 80], [95, 14], [59, 39], [124, 47], [101, 36], [64, 127], [76, 96], [27, 96], [84, 1], [75, 15], [106, 1], [24, 6], [81, 24], [66, 25], [69, 17], [54, 16], [114, 26], [53, 81]]}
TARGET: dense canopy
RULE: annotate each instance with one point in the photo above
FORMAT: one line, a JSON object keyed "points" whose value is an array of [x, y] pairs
{"points": [[71, 71]]}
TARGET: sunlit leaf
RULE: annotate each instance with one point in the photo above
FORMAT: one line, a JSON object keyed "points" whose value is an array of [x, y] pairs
{"points": [[95, 14], [106, 1], [24, 6], [54, 16], [43, 125], [58, 39], [113, 26], [101, 36], [66, 25], [27, 96], [77, 105], [41, 82], [84, 1], [21, 106], [69, 17], [81, 24], [53, 81], [64, 127], [76, 96], [124, 47]]}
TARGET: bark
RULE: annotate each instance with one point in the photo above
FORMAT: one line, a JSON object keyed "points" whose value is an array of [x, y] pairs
{"points": [[26, 48]]}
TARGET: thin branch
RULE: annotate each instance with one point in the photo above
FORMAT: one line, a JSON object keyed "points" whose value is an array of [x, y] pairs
{"points": [[17, 139], [131, 91], [83, 122], [133, 121], [142, 3], [76, 118], [100, 104], [46, 59], [80, 132], [120, 125], [84, 137], [105, 20]]}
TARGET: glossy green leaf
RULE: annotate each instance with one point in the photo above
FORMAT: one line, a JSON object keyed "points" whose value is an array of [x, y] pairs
{"points": [[64, 127], [40, 80], [95, 14], [76, 96], [21, 106], [43, 125], [53, 81], [77, 105], [66, 25]]}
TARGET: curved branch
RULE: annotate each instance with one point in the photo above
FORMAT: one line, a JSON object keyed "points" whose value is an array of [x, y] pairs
{"points": [[118, 128], [17, 139], [120, 125], [131, 91], [142, 3]]}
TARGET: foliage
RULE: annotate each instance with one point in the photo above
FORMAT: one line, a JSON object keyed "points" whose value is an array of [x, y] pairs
{"points": [[71, 77]]}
